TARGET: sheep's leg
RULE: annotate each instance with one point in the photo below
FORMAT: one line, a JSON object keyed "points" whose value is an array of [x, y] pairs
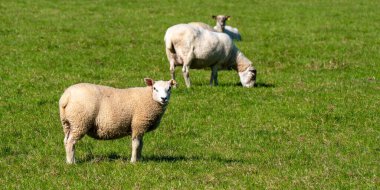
{"points": [[73, 133], [172, 71], [137, 145], [139, 149], [186, 66], [71, 139], [66, 130], [186, 76], [214, 75], [70, 150], [69, 143]]}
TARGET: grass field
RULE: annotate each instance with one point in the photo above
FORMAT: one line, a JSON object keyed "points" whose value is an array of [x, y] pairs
{"points": [[313, 121]]}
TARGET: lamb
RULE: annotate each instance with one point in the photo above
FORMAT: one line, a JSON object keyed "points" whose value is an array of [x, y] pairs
{"points": [[222, 27], [106, 113], [194, 47]]}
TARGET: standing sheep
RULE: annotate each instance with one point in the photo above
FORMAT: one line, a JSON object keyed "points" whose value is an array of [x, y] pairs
{"points": [[106, 113], [194, 47], [222, 27]]}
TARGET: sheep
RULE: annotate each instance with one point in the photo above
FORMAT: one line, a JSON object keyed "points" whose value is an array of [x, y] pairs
{"points": [[222, 27], [106, 113], [194, 47]]}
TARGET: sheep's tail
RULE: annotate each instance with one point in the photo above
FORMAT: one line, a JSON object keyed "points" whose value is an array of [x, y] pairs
{"points": [[168, 43], [63, 102]]}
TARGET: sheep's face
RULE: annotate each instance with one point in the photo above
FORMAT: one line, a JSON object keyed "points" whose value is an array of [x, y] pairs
{"points": [[248, 77], [221, 20], [161, 90]]}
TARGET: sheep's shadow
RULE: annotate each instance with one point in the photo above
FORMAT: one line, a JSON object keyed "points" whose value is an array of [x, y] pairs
{"points": [[156, 158], [112, 157], [257, 85], [102, 158], [264, 85]]}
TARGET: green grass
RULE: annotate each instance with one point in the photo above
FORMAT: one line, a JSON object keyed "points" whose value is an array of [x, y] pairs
{"points": [[313, 122]]}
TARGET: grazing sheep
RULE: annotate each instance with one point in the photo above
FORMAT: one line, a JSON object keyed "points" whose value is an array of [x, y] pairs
{"points": [[222, 27], [194, 47], [105, 113]]}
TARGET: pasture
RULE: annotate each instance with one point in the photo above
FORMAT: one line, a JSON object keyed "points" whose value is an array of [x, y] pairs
{"points": [[312, 122]]}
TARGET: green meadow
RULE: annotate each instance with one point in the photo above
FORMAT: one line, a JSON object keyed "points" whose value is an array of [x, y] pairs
{"points": [[312, 121]]}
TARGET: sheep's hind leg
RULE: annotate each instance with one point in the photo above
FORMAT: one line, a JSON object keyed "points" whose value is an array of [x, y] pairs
{"points": [[137, 145], [68, 142], [186, 75], [186, 67], [214, 75], [73, 133], [172, 70], [66, 130], [70, 150]]}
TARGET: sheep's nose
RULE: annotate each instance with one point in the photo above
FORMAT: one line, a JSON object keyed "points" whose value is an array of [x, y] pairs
{"points": [[164, 99]]}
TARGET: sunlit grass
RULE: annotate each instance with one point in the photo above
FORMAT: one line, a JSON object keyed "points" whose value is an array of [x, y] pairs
{"points": [[311, 123]]}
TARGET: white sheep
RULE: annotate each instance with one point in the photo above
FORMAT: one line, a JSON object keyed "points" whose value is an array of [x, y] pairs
{"points": [[222, 27], [194, 47], [105, 113]]}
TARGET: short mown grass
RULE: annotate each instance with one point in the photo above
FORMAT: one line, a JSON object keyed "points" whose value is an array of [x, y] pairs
{"points": [[312, 122]]}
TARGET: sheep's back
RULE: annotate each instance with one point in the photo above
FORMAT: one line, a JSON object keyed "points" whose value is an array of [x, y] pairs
{"points": [[202, 25]]}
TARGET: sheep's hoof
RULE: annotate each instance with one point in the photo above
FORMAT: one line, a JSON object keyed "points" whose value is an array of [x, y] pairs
{"points": [[133, 160]]}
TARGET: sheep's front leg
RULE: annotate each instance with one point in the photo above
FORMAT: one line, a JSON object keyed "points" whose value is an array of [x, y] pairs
{"points": [[137, 145], [214, 75], [186, 76]]}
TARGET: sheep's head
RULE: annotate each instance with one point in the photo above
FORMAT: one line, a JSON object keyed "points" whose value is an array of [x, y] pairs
{"points": [[161, 89], [248, 77], [221, 20]]}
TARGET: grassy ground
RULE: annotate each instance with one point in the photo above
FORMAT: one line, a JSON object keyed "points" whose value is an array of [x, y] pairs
{"points": [[312, 122]]}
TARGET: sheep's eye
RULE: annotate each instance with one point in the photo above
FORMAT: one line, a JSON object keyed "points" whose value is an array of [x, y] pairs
{"points": [[154, 88]]}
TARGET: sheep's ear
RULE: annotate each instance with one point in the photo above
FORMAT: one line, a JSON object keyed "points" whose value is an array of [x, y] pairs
{"points": [[213, 16], [149, 81], [172, 82]]}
